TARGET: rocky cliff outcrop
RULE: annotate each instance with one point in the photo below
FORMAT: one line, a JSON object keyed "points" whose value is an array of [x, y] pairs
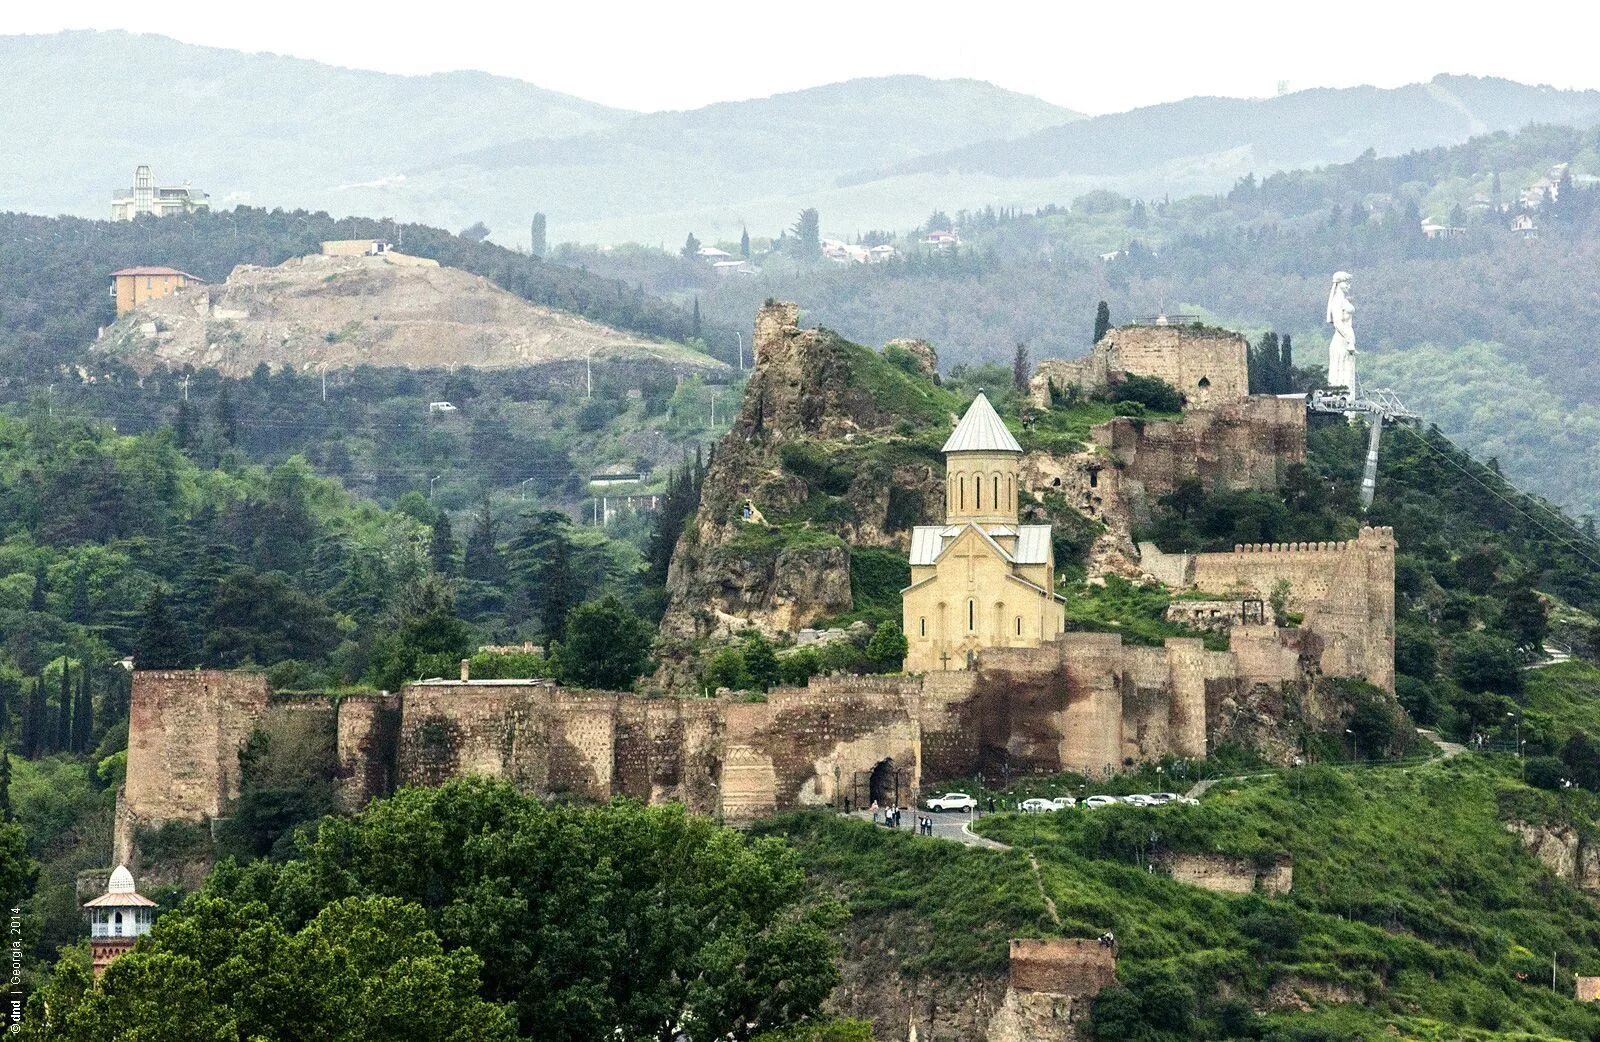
{"points": [[1563, 850], [826, 462]]}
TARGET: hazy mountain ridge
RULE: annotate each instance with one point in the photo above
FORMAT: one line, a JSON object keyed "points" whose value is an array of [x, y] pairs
{"points": [[236, 124], [1305, 128]]}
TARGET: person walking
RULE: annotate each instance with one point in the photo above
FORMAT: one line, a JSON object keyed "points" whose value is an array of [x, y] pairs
{"points": [[874, 812]]}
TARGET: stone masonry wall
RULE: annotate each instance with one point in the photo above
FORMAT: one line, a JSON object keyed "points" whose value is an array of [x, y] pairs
{"points": [[1063, 966], [1248, 443], [185, 729], [1228, 875], [1206, 366], [1344, 591]]}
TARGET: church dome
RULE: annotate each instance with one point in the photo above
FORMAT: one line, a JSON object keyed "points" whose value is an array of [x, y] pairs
{"points": [[121, 881]]}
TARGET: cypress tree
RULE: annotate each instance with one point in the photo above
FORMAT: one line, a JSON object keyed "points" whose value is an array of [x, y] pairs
{"points": [[1021, 368], [160, 643], [744, 243], [537, 245], [83, 712], [80, 595], [63, 721], [694, 322], [1102, 321], [40, 585], [5, 786], [442, 546], [33, 714], [1286, 379]]}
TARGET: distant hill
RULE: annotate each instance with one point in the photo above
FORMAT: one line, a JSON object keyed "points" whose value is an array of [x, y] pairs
{"points": [[344, 312], [453, 148], [254, 128], [1306, 128]]}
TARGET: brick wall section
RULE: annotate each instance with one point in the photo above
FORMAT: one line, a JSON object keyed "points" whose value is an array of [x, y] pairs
{"points": [[185, 729], [1206, 366], [1345, 591], [367, 749], [1062, 966], [1245, 444], [1229, 875]]}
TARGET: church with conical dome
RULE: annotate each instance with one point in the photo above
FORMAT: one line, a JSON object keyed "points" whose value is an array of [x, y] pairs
{"points": [[981, 579]]}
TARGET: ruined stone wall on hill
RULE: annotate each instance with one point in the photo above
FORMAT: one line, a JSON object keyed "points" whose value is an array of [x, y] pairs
{"points": [[1207, 366], [185, 730], [1343, 590], [1249, 443], [1228, 875]]}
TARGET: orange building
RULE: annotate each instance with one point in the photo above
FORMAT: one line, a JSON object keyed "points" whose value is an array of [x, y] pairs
{"points": [[133, 286]]}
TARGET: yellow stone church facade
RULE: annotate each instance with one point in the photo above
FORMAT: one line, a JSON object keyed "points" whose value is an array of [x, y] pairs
{"points": [[980, 580]]}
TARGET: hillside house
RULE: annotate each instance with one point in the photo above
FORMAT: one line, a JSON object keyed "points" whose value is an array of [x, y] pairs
{"points": [[146, 197], [131, 287]]}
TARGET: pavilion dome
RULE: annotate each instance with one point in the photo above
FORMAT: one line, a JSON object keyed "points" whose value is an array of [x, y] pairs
{"points": [[121, 881]]}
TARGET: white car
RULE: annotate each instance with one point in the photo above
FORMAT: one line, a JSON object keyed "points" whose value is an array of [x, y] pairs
{"points": [[1037, 806], [1187, 801], [1096, 802], [953, 801], [1139, 800], [1163, 797], [1063, 803]]}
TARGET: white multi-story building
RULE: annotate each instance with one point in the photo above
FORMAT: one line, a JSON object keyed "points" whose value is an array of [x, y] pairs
{"points": [[147, 197]]}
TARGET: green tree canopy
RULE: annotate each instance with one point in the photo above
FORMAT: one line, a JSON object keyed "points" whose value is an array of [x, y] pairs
{"points": [[623, 922], [606, 645]]}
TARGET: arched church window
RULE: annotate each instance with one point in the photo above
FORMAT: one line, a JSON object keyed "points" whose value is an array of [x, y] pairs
{"points": [[972, 615], [1204, 384], [1019, 625], [922, 627], [962, 484], [977, 489], [997, 492]]}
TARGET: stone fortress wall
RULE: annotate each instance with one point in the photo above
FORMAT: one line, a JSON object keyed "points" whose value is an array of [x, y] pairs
{"points": [[1343, 590], [1205, 365]]}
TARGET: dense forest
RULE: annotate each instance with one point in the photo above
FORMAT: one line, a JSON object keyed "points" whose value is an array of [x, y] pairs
{"points": [[1260, 257]]}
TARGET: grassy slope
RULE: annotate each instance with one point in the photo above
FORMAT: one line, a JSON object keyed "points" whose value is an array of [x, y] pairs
{"points": [[1408, 893]]}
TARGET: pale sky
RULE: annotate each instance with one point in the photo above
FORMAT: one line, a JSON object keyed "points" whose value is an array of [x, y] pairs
{"points": [[1096, 58]]}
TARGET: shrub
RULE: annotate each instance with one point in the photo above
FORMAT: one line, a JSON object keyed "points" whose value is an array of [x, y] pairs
{"points": [[1152, 392], [1483, 662]]}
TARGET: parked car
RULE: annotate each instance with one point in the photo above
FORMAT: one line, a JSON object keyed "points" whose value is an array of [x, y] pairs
{"points": [[1096, 802], [1037, 806], [953, 801], [1187, 801], [1163, 797], [1063, 803], [1139, 800]]}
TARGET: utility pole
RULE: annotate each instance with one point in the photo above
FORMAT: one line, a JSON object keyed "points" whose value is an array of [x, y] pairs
{"points": [[525, 488], [431, 480], [323, 369], [185, 386], [740, 335]]}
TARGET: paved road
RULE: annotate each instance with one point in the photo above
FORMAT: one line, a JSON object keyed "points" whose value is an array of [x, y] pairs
{"points": [[951, 826]]}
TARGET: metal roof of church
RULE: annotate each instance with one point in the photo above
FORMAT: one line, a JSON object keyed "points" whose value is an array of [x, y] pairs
{"points": [[981, 430], [928, 542]]}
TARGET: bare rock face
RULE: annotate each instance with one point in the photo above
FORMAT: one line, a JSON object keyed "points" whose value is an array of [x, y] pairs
{"points": [[729, 572], [1562, 850], [927, 358], [342, 312]]}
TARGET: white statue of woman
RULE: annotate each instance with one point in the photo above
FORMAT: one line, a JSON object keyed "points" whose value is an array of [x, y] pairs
{"points": [[1342, 348]]}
